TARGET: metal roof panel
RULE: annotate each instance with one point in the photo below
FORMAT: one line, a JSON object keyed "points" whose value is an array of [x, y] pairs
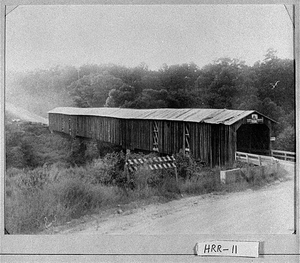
{"points": [[211, 116], [228, 117]]}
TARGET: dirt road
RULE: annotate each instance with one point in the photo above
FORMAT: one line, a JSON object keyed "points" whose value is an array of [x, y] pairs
{"points": [[268, 210]]}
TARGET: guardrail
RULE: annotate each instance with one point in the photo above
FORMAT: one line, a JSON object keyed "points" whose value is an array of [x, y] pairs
{"points": [[284, 155], [254, 158]]}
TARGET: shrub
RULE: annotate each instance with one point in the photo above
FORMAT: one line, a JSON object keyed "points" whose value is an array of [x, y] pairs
{"points": [[33, 179], [108, 170], [65, 192], [33, 195], [286, 140], [14, 157], [75, 196], [23, 212], [204, 181], [141, 178], [169, 188], [186, 165], [31, 145]]}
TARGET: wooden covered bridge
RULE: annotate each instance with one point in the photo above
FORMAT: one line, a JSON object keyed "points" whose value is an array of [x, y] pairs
{"points": [[209, 135]]}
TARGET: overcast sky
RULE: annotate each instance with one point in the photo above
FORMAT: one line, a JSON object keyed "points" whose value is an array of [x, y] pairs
{"points": [[46, 36]]}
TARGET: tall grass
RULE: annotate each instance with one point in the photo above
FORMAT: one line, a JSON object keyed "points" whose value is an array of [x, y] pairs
{"points": [[58, 193], [41, 195]]}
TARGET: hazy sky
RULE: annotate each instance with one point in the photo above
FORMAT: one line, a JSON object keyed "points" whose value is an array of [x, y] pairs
{"points": [[45, 36]]}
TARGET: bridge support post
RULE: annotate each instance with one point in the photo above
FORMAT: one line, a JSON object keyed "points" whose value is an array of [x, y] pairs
{"points": [[78, 149], [125, 166]]}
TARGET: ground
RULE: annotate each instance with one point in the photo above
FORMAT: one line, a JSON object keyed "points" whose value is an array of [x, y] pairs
{"points": [[268, 210], [22, 114]]}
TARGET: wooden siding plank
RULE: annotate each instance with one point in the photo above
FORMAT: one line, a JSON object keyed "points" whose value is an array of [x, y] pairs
{"points": [[211, 143]]}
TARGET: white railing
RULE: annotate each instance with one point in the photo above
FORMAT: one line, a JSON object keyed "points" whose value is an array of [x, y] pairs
{"points": [[254, 158], [284, 155]]}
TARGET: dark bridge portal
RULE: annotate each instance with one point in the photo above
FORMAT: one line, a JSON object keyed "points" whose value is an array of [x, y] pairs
{"points": [[254, 138]]}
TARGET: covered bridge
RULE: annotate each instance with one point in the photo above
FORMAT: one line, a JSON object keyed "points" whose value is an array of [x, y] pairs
{"points": [[209, 135]]}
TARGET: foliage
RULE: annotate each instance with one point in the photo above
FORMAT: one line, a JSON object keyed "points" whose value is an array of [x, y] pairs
{"points": [[81, 151], [286, 140], [186, 165], [204, 181], [108, 170], [218, 83], [30, 145], [57, 193], [93, 89], [124, 96], [267, 86], [64, 198], [48, 175], [150, 99]]}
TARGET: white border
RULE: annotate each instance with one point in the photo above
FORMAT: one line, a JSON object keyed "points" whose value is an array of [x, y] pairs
{"points": [[152, 248]]}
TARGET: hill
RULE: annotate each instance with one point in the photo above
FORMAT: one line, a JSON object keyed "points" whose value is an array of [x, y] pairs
{"points": [[17, 113]]}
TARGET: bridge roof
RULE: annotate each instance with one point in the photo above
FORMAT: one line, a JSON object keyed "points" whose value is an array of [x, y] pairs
{"points": [[211, 116]]}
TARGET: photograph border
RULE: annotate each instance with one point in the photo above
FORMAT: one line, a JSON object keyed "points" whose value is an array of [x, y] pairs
{"points": [[151, 247]]}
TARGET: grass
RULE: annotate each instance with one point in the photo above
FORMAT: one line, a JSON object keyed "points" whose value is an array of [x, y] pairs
{"points": [[63, 195], [59, 193], [48, 183]]}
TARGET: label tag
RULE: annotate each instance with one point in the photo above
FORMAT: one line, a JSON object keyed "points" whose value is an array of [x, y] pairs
{"points": [[228, 248]]}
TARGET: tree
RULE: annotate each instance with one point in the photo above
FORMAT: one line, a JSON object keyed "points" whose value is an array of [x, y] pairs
{"points": [[275, 79], [179, 77], [150, 99], [181, 99], [286, 140], [121, 97], [217, 83], [151, 80], [92, 90], [266, 107]]}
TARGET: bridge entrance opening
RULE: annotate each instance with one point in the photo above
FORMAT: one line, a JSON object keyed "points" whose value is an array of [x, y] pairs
{"points": [[253, 138]]}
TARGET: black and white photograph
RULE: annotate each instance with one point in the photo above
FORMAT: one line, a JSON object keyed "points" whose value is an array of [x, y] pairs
{"points": [[140, 121]]}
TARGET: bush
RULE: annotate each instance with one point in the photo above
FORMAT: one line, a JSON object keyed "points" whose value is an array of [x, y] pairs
{"points": [[186, 165], [75, 196], [286, 140], [23, 212], [205, 181], [30, 145], [14, 157], [52, 194], [108, 170], [60, 192]]}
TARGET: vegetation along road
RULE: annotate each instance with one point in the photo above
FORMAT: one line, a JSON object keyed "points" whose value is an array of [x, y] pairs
{"points": [[268, 210]]}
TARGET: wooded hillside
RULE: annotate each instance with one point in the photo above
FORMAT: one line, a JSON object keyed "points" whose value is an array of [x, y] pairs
{"points": [[267, 86]]}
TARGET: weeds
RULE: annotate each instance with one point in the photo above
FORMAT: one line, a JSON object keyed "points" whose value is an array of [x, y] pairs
{"points": [[30, 198], [56, 193]]}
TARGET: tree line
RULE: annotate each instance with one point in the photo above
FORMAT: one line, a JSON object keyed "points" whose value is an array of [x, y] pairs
{"points": [[267, 86]]}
